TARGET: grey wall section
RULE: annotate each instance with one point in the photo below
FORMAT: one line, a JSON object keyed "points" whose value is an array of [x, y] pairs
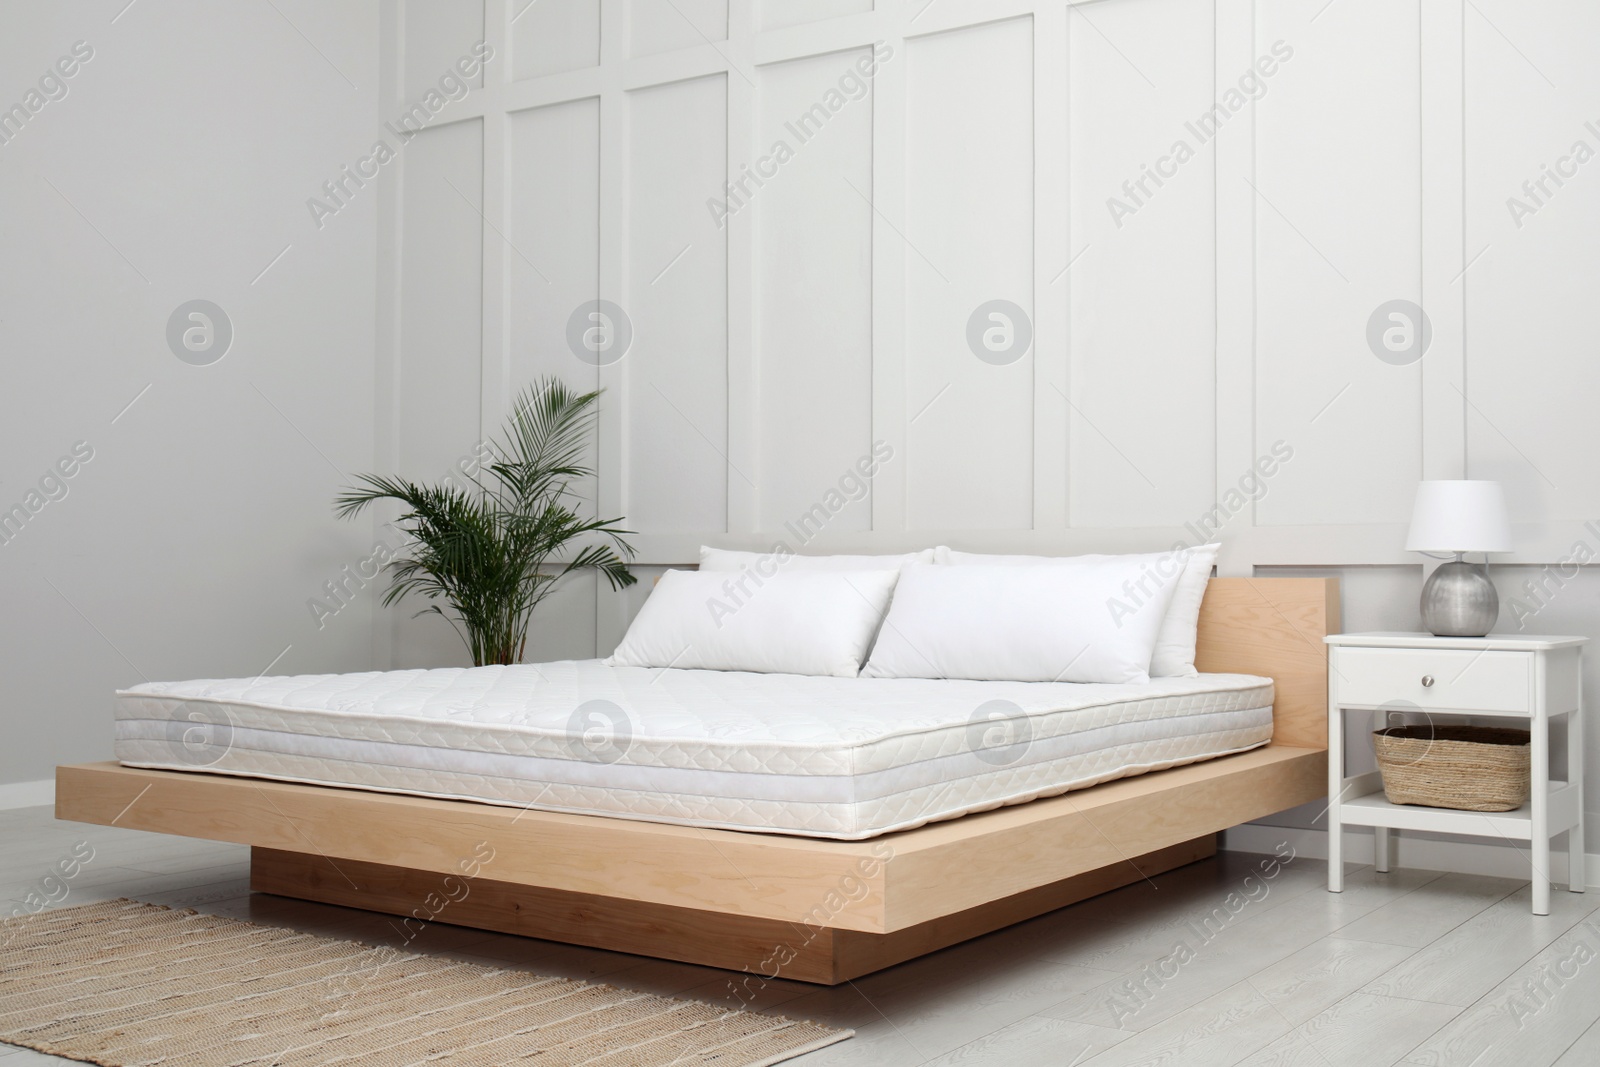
{"points": [[175, 164]]}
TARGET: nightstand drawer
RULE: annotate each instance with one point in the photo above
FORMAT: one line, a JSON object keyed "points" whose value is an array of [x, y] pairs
{"points": [[1443, 679]]}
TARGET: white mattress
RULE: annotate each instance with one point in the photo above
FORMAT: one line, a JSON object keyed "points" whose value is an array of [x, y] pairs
{"points": [[845, 758]]}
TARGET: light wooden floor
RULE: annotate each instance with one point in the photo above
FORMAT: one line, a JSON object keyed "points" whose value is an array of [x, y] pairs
{"points": [[1406, 967]]}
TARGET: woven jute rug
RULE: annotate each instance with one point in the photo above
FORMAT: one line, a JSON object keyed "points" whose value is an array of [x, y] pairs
{"points": [[129, 985]]}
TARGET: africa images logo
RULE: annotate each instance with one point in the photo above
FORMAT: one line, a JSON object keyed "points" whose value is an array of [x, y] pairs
{"points": [[1203, 129], [453, 85]]}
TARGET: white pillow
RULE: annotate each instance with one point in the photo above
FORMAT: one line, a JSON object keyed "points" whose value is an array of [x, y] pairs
{"points": [[1071, 621], [727, 559], [1180, 629], [808, 622]]}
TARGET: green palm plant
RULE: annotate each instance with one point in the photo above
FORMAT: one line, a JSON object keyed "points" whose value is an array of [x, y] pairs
{"points": [[487, 550]]}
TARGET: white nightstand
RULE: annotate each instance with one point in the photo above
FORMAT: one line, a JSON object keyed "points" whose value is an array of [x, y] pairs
{"points": [[1533, 679]]}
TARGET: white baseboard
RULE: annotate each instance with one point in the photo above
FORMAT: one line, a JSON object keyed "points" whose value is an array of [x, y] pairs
{"points": [[27, 794], [1467, 857]]}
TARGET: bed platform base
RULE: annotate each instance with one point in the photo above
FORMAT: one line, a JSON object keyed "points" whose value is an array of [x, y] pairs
{"points": [[802, 908], [807, 909], [763, 947]]}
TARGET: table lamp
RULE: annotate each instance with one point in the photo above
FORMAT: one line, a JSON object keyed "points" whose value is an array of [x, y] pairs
{"points": [[1457, 517]]}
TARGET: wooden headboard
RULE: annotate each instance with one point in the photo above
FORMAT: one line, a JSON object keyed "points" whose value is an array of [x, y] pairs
{"points": [[1274, 627]]}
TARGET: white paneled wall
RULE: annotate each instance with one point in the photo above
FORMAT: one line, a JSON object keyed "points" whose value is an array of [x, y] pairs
{"points": [[1338, 128], [657, 26], [969, 225], [555, 38], [1197, 206], [676, 277], [439, 365], [1533, 113], [813, 292], [1142, 288]]}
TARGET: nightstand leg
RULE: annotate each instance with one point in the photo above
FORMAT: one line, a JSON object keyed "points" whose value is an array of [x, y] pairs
{"points": [[1335, 788], [1380, 844], [1578, 862], [1540, 758]]}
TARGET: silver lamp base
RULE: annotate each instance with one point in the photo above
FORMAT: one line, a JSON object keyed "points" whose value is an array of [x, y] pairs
{"points": [[1459, 600]]}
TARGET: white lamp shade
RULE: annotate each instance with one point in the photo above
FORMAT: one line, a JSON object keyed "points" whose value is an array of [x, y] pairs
{"points": [[1459, 516]]}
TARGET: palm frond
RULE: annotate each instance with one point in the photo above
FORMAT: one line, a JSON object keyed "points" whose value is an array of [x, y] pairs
{"points": [[546, 436], [492, 554]]}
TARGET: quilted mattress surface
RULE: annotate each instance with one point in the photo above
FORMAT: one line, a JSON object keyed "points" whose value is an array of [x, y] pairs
{"points": [[846, 758]]}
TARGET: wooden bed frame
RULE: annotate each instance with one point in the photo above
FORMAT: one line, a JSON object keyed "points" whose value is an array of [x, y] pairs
{"points": [[776, 906]]}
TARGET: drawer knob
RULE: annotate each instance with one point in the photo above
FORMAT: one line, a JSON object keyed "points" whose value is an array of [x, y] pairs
{"points": [[1427, 681]]}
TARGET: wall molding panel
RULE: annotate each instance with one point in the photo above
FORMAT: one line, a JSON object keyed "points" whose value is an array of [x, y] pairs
{"points": [[1172, 347]]}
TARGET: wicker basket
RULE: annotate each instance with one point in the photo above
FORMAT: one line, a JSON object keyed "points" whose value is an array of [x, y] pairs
{"points": [[1470, 768]]}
